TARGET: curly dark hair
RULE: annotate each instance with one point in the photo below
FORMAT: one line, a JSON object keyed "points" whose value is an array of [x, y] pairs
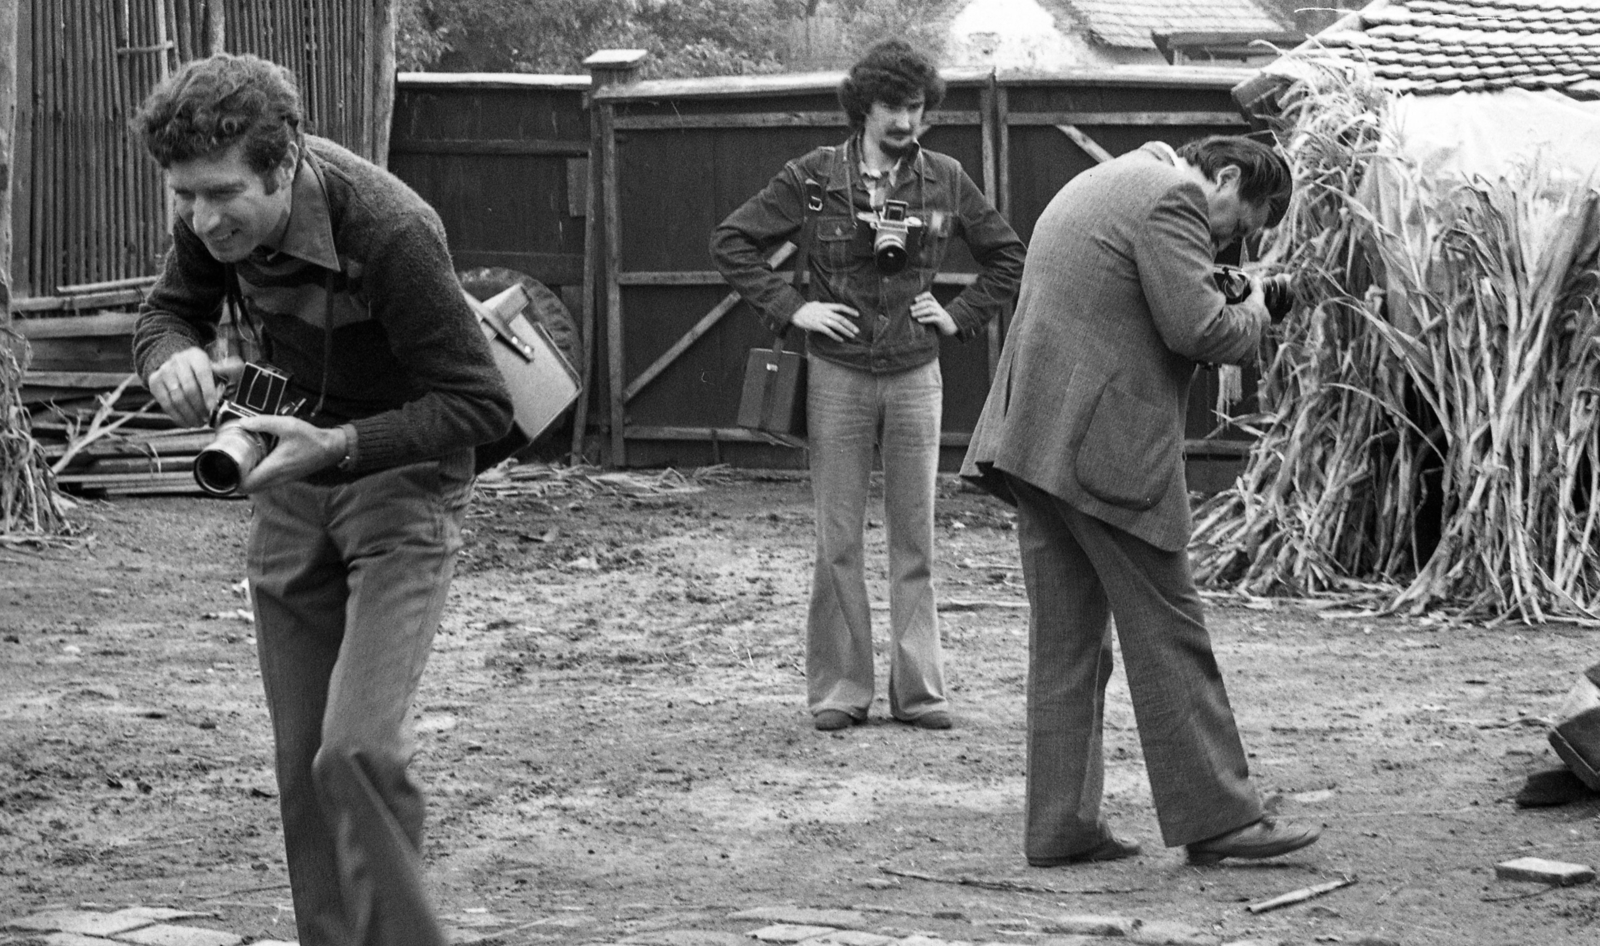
{"points": [[891, 72], [1264, 175], [210, 104]]}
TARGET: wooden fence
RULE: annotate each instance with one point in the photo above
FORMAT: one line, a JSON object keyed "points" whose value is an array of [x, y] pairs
{"points": [[677, 156], [88, 206]]}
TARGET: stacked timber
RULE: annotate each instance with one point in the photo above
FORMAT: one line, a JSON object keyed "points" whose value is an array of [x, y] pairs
{"points": [[99, 428]]}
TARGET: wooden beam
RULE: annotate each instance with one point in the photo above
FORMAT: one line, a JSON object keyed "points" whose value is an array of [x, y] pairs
{"points": [[710, 277], [493, 146], [1185, 119], [613, 265], [1089, 145], [768, 120], [700, 328]]}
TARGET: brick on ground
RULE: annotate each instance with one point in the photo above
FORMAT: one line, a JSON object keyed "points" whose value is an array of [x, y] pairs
{"points": [[849, 938], [1557, 873], [1086, 924], [76, 939], [164, 934], [1170, 933], [84, 922], [803, 916], [789, 932], [681, 937]]}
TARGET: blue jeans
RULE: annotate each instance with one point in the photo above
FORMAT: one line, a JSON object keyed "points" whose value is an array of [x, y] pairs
{"points": [[348, 583], [849, 413]]}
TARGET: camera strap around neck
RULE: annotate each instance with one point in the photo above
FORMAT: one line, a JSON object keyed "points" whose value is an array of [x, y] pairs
{"points": [[802, 256]]}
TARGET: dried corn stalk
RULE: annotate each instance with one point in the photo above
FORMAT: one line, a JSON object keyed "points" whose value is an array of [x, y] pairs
{"points": [[30, 507], [1443, 357]]}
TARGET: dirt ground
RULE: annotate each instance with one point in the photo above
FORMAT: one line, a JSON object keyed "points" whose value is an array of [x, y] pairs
{"points": [[613, 736]]}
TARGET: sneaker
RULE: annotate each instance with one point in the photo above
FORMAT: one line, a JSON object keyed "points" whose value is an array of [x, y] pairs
{"points": [[1264, 838]]}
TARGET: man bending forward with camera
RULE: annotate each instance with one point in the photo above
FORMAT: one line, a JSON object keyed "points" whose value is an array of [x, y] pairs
{"points": [[881, 212], [1083, 432], [348, 289]]}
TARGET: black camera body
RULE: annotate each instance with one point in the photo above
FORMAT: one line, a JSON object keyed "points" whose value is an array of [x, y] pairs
{"points": [[891, 232], [1277, 291], [234, 452]]}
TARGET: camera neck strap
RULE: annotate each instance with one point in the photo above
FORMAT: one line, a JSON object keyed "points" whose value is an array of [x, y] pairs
{"points": [[802, 256]]}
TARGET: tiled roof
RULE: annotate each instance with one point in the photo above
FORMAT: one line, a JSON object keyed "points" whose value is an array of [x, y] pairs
{"points": [[1443, 46], [1129, 23]]}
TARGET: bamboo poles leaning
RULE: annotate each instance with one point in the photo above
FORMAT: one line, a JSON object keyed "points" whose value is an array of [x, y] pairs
{"points": [[1430, 417]]}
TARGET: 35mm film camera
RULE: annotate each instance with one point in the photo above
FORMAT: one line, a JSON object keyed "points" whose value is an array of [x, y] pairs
{"points": [[234, 452], [1277, 292], [891, 229]]}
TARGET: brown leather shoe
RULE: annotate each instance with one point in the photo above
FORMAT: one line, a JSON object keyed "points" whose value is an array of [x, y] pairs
{"points": [[1265, 838], [1112, 848]]}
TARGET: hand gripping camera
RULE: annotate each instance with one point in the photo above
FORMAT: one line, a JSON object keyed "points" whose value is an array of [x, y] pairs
{"points": [[891, 228], [1277, 292], [234, 452]]}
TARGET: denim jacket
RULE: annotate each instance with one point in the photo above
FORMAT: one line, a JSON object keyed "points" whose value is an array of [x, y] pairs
{"points": [[841, 267]]}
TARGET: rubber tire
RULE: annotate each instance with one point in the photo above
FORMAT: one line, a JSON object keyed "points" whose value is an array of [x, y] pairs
{"points": [[546, 308]]}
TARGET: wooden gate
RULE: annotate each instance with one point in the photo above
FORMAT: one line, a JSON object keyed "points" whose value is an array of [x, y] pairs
{"points": [[677, 156]]}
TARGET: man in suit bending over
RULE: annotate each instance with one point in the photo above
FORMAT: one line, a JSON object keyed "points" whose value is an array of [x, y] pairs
{"points": [[1083, 432]]}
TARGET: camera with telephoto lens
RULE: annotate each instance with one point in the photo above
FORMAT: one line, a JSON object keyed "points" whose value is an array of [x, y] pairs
{"points": [[892, 227], [234, 452], [1277, 292]]}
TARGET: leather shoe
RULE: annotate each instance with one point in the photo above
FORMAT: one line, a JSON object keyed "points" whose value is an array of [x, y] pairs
{"points": [[937, 719], [829, 720], [1112, 848], [1264, 838]]}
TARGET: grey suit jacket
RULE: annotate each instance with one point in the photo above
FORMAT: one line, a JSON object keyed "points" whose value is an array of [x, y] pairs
{"points": [[1117, 307]]}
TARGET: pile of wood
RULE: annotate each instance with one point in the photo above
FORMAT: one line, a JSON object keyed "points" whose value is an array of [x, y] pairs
{"points": [[99, 429]]}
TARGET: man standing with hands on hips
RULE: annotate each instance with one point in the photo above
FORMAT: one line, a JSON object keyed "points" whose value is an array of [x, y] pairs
{"points": [[879, 212], [1083, 432], [343, 279]]}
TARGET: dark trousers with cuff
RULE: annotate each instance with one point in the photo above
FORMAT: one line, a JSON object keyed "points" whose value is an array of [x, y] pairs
{"points": [[1080, 573]]}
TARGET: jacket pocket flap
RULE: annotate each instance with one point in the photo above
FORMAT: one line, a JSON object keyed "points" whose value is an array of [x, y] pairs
{"points": [[1127, 454]]}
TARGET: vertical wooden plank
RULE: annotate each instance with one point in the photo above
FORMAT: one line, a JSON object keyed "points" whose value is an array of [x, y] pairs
{"points": [[59, 194], [8, 110], [591, 244], [987, 109], [216, 27], [613, 265], [102, 266], [19, 199]]}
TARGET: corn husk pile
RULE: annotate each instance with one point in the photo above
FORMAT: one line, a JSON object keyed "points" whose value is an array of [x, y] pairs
{"points": [[1444, 351], [542, 480], [31, 511]]}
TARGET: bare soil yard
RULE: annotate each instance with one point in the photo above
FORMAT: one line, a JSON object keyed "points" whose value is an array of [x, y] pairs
{"points": [[613, 736]]}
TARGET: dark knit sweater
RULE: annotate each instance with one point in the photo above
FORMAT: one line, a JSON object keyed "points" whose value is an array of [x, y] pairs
{"points": [[408, 365]]}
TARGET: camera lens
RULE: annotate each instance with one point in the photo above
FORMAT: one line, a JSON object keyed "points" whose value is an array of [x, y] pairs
{"points": [[227, 460], [889, 252]]}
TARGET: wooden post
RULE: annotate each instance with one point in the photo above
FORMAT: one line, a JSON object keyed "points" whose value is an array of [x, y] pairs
{"points": [[383, 80], [216, 27], [607, 67], [8, 115]]}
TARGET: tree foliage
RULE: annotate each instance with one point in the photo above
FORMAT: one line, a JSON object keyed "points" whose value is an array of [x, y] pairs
{"points": [[683, 37]]}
